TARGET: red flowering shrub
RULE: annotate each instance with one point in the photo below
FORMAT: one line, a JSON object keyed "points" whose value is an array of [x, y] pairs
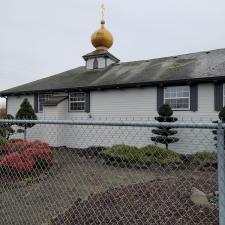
{"points": [[15, 147], [24, 157]]}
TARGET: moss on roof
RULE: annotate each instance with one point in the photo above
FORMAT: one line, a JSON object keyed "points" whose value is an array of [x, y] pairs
{"points": [[202, 65]]}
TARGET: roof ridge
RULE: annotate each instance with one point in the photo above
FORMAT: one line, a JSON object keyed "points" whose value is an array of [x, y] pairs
{"points": [[173, 56]]}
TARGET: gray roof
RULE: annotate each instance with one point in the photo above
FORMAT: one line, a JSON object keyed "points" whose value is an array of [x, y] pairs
{"points": [[97, 53], [202, 66]]}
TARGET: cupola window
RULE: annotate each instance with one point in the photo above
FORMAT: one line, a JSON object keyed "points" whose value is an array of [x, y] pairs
{"points": [[95, 64]]}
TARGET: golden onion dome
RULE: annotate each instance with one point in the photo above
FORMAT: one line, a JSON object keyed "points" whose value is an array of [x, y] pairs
{"points": [[102, 39]]}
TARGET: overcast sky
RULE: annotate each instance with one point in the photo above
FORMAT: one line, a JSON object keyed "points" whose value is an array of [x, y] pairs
{"points": [[39, 38]]}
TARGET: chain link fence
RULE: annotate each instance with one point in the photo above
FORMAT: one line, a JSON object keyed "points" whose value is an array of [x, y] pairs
{"points": [[111, 172]]}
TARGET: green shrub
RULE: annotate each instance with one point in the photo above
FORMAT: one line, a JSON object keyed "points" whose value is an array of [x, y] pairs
{"points": [[222, 114], [3, 141], [150, 154], [154, 155], [165, 110], [161, 156], [201, 157], [122, 151], [6, 129]]}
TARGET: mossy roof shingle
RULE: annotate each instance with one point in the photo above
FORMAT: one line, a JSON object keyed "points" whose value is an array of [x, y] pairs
{"points": [[196, 66]]}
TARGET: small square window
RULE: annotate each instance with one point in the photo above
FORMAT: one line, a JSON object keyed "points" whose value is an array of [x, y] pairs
{"points": [[77, 101], [42, 98]]}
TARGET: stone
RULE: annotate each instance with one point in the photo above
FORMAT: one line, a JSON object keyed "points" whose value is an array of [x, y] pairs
{"points": [[210, 195], [216, 193], [199, 198]]}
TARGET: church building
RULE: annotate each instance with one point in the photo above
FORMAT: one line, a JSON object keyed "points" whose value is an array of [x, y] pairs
{"points": [[193, 85]]}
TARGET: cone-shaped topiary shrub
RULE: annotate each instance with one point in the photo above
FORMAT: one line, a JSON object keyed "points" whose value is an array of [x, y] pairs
{"points": [[164, 133], [26, 112]]}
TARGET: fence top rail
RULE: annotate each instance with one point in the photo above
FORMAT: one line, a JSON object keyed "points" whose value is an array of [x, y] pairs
{"points": [[192, 124]]}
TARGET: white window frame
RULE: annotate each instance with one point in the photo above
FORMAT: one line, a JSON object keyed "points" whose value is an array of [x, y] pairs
{"points": [[85, 99], [47, 94], [189, 98]]}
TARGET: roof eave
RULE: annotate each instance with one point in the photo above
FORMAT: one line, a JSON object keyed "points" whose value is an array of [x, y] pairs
{"points": [[104, 54], [115, 86]]}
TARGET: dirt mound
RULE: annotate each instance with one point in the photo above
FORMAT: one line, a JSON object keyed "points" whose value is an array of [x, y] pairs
{"points": [[158, 202]]}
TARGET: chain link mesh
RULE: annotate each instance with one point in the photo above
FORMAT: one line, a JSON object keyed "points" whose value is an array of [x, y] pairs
{"points": [[108, 173]]}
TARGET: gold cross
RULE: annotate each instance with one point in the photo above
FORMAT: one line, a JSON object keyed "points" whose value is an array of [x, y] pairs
{"points": [[103, 11]]}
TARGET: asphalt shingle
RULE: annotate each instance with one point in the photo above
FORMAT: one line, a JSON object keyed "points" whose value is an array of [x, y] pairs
{"points": [[196, 66]]}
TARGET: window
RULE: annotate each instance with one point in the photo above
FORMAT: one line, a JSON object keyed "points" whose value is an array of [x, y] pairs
{"points": [[95, 64], [178, 97], [77, 101], [42, 98]]}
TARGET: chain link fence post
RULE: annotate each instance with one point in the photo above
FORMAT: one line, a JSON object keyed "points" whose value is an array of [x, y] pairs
{"points": [[221, 172]]}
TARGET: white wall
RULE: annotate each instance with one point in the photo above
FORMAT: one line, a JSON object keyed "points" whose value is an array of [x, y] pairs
{"points": [[102, 62], [89, 63], [130, 104], [140, 104], [190, 138]]}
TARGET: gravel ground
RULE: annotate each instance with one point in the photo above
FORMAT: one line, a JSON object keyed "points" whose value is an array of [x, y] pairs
{"points": [[34, 201], [165, 202]]}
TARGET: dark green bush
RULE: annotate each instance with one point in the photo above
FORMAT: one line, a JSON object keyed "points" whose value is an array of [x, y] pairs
{"points": [[222, 114], [201, 157], [6, 129], [165, 110], [20, 131], [3, 141]]}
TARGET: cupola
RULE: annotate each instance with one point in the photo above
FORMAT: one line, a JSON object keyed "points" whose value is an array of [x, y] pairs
{"points": [[102, 40]]}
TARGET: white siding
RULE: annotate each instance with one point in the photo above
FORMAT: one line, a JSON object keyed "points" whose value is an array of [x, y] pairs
{"points": [[196, 139], [130, 104], [124, 103], [89, 63], [101, 62], [205, 105]]}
